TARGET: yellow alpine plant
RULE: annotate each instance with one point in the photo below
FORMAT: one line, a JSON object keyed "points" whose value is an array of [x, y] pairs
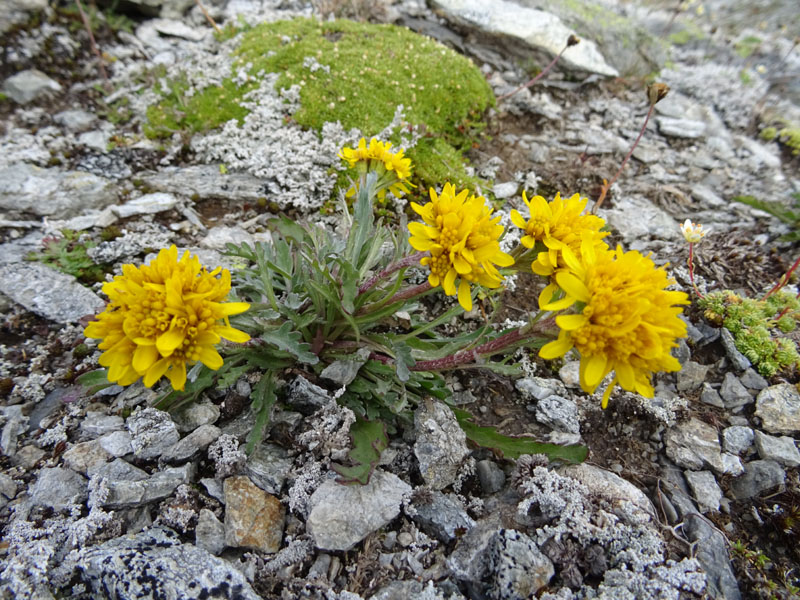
{"points": [[462, 238], [394, 169], [163, 316], [558, 224], [627, 321]]}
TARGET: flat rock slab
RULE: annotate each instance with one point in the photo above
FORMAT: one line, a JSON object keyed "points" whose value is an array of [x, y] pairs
{"points": [[154, 564], [778, 407], [29, 85], [48, 293], [343, 515], [253, 518], [53, 193], [528, 26]]}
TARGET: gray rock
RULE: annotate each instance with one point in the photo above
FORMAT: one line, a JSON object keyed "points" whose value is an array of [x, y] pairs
{"points": [[740, 361], [540, 388], [411, 589], [177, 28], [782, 450], [505, 190], [752, 380], [650, 220], [759, 476], [253, 518], [341, 373], [53, 193], [29, 85], [491, 476], [691, 376], [674, 486], [694, 445], [85, 456], [15, 424], [441, 444], [778, 406], [732, 464], [58, 488], [97, 423], [705, 489], [733, 393], [51, 403], [334, 524], [75, 121], [192, 445], [205, 181], [154, 564], [124, 493], [559, 413], [209, 533], [267, 467], [218, 238], [305, 396], [120, 470], [712, 553], [148, 204], [737, 439], [49, 293], [440, 515], [152, 433], [683, 128], [95, 140], [516, 567], [116, 443], [196, 414], [613, 488], [525, 27], [570, 374], [8, 489], [214, 488], [711, 396]]}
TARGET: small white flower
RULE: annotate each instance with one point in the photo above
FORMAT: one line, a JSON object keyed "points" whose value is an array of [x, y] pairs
{"points": [[693, 232]]}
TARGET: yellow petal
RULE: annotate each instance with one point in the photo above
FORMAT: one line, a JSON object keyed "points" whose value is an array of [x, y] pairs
{"points": [[464, 296], [177, 375], [168, 341], [234, 335], [449, 283], [210, 358], [517, 220], [571, 322], [155, 372], [144, 357], [556, 348], [233, 308], [607, 394], [626, 375], [593, 372], [573, 286]]}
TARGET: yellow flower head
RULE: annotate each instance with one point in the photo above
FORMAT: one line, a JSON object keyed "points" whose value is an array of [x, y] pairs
{"points": [[558, 224], [163, 316], [392, 167], [463, 240], [627, 321]]}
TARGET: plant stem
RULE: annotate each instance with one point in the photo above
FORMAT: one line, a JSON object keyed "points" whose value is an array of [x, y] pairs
{"points": [[400, 264], [208, 16], [783, 280], [570, 42], [691, 270], [473, 355], [100, 61], [607, 184]]}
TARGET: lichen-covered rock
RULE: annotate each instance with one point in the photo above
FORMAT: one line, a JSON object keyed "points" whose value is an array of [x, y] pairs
{"points": [[778, 406], [517, 568], [441, 444], [154, 564], [152, 433]]}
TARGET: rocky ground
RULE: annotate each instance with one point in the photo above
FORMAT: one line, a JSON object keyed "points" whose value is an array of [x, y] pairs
{"points": [[692, 494]]}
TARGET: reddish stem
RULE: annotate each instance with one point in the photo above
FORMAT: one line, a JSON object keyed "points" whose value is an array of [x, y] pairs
{"points": [[543, 72], [691, 270], [783, 280], [393, 268], [607, 184], [100, 61]]}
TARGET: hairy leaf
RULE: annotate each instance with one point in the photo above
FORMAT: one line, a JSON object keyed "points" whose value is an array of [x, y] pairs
{"points": [[369, 440], [263, 400], [94, 381], [290, 341], [514, 447]]}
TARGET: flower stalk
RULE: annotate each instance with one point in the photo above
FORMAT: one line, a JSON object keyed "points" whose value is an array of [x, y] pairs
{"points": [[571, 41]]}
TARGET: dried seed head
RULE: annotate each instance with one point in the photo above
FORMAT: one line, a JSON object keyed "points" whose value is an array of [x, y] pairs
{"points": [[573, 40], [657, 92]]}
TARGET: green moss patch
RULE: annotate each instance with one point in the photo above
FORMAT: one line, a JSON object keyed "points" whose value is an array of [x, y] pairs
{"points": [[353, 73]]}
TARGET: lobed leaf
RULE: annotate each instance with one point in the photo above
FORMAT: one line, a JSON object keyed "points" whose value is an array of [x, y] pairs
{"points": [[369, 440]]}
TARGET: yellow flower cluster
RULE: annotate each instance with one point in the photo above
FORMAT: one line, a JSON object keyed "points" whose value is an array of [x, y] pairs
{"points": [[163, 316], [462, 238], [624, 318], [557, 225], [393, 168]]}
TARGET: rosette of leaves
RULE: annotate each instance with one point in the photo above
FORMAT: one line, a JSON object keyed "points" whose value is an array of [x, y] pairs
{"points": [[315, 300]]}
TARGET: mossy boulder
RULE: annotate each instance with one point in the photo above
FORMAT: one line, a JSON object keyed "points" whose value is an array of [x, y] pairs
{"points": [[349, 72]]}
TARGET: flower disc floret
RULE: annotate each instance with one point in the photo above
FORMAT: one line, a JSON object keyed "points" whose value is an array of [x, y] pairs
{"points": [[626, 320], [163, 316], [693, 232], [557, 225], [393, 168], [462, 238]]}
